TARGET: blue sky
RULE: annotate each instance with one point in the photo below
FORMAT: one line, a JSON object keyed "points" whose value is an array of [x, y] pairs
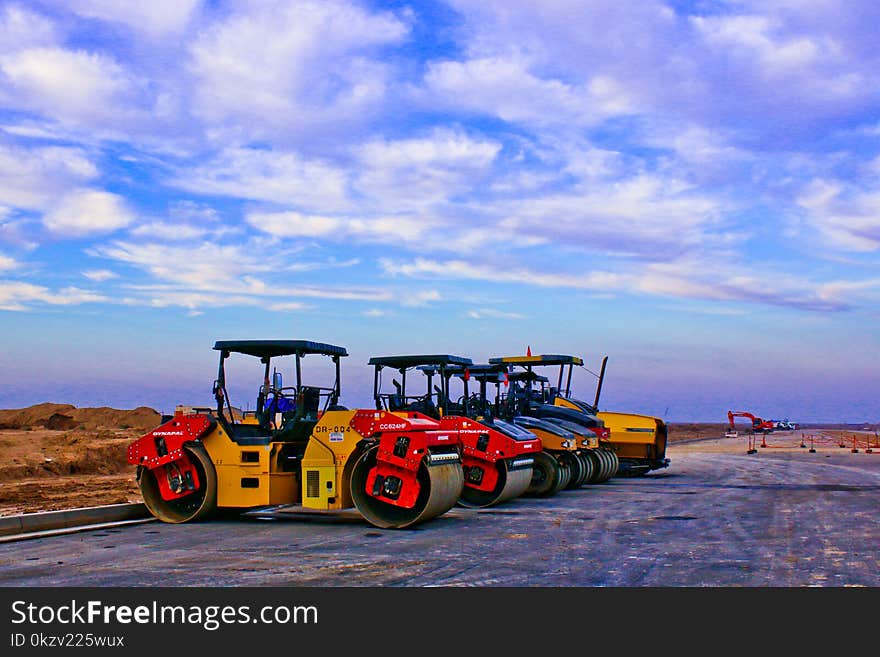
{"points": [[692, 188]]}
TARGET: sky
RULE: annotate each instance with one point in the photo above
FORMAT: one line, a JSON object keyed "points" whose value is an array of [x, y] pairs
{"points": [[690, 188]]}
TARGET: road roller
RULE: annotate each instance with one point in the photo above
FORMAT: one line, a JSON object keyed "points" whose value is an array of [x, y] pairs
{"points": [[298, 447], [638, 440], [497, 457], [531, 395], [559, 465]]}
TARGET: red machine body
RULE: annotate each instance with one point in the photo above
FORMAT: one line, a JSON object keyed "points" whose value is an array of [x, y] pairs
{"points": [[482, 444], [405, 440], [162, 448]]}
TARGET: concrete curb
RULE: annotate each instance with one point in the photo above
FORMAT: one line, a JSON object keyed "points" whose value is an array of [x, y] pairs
{"points": [[49, 520]]}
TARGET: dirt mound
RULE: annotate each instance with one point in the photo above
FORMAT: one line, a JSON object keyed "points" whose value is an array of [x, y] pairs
{"points": [[60, 422], [65, 417], [689, 430]]}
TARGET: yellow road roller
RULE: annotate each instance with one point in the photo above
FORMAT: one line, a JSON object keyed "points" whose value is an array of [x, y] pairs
{"points": [[299, 446], [531, 396]]}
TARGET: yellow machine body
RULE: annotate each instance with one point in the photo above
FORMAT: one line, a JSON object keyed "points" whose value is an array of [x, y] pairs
{"points": [[636, 436], [255, 475]]}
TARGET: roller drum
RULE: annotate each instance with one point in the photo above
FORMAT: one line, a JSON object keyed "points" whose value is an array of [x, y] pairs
{"points": [[201, 504], [511, 484], [597, 464], [440, 487]]}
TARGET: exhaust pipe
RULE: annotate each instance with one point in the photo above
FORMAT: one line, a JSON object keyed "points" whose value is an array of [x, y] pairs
{"points": [[599, 384]]}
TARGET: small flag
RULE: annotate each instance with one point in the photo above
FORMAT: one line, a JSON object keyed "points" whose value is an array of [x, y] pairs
{"points": [[529, 350], [467, 374]]}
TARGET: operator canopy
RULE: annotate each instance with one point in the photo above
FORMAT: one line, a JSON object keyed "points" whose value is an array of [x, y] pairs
{"points": [[545, 359], [275, 348], [415, 361]]}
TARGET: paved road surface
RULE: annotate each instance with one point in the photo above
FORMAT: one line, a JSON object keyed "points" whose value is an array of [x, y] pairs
{"points": [[716, 517]]}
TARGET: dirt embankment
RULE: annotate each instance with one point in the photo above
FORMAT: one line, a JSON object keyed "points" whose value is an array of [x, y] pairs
{"points": [[689, 430], [57, 456]]}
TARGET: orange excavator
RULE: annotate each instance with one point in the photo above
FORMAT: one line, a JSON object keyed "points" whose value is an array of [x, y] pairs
{"points": [[758, 424]]}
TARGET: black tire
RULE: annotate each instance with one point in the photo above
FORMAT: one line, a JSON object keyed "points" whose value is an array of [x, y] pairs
{"points": [[546, 476], [576, 466], [564, 477], [595, 478], [589, 465]]}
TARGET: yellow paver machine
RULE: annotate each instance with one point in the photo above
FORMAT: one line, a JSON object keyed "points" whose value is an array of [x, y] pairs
{"points": [[298, 447]]}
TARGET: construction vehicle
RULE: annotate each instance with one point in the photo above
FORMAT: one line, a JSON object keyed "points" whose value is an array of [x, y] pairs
{"points": [[567, 445], [759, 425], [298, 447], [639, 441], [785, 425], [531, 396], [497, 457]]}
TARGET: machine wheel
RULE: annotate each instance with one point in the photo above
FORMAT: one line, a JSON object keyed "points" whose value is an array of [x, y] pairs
{"points": [[609, 464], [198, 505], [439, 489], [598, 466], [589, 465], [615, 463], [564, 478], [546, 476], [576, 466], [510, 484]]}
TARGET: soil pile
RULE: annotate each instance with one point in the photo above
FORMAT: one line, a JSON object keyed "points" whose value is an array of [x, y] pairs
{"points": [[65, 417], [57, 456]]}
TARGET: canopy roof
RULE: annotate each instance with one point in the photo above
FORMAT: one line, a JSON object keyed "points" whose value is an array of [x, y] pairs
{"points": [[274, 348], [545, 359], [416, 360]]}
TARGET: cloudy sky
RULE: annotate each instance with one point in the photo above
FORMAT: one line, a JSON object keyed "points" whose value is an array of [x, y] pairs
{"points": [[692, 188]]}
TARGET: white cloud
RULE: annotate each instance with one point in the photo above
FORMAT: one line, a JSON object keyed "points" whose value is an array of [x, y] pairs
{"points": [[19, 296], [696, 278], [404, 174], [169, 231], [265, 175], [754, 36], [33, 178], [848, 217], [20, 29], [419, 298], [461, 269], [382, 229], [647, 214], [76, 87], [205, 274], [492, 313], [100, 275], [88, 211], [155, 17], [288, 68], [502, 86], [288, 306], [7, 263]]}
